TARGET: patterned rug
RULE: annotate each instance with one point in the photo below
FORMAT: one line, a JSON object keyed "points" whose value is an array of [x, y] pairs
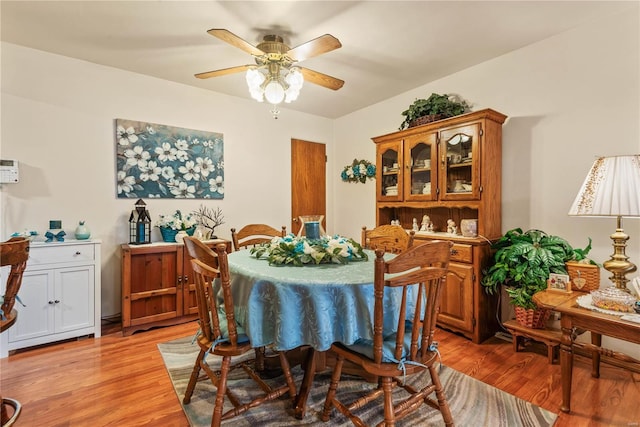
{"points": [[472, 402]]}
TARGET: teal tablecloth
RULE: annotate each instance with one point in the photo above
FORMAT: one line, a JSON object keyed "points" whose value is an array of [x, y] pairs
{"points": [[318, 305]]}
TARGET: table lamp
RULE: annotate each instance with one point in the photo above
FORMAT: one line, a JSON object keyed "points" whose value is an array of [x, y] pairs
{"points": [[612, 188]]}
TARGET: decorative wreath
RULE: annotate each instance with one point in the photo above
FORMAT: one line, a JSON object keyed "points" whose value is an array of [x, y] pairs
{"points": [[358, 171]]}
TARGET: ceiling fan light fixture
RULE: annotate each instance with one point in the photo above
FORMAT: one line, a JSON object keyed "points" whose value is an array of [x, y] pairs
{"points": [[275, 78]]}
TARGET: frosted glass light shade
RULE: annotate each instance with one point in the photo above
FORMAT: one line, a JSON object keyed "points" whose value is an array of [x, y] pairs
{"points": [[274, 92], [612, 188]]}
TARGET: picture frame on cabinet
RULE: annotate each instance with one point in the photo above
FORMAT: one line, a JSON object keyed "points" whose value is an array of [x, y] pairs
{"points": [[559, 283]]}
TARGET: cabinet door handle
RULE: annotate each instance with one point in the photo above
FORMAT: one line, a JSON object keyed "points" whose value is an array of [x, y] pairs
{"points": [[179, 279], [185, 278], [57, 301], [51, 302], [77, 252]]}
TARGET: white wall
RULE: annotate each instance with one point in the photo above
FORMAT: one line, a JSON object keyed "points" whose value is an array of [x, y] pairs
{"points": [[58, 121], [569, 99]]}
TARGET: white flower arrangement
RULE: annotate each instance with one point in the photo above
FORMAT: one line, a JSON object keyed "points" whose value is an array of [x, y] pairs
{"points": [[177, 221], [358, 171], [298, 251]]}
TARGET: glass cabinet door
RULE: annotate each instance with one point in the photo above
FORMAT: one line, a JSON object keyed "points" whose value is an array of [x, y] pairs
{"points": [[421, 167], [389, 165], [459, 156]]}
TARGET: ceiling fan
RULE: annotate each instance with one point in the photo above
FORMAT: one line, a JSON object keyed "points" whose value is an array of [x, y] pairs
{"points": [[276, 77]]}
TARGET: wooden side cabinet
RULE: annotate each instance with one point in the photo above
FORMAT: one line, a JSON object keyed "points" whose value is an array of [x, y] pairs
{"points": [[157, 285], [61, 292]]}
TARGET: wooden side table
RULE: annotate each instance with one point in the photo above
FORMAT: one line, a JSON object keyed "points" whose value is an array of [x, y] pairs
{"points": [[574, 317], [550, 337]]}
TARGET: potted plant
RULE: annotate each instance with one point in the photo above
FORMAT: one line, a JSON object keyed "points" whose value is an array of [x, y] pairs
{"points": [[522, 263], [436, 107]]}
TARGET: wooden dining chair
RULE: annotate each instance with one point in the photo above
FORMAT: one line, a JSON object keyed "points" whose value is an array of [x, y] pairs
{"points": [[221, 336], [390, 238], [15, 253], [253, 234], [397, 355]]}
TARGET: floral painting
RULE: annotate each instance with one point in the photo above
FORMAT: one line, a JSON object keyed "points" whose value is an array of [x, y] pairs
{"points": [[160, 161]]}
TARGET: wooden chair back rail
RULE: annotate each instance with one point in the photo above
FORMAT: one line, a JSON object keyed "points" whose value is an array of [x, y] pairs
{"points": [[207, 310], [199, 250], [255, 234], [421, 269], [390, 238], [13, 252]]}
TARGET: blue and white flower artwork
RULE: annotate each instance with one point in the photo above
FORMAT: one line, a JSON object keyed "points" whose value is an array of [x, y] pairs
{"points": [[159, 161]]}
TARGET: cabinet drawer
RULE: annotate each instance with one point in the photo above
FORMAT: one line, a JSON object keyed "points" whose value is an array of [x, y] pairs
{"points": [[60, 254], [462, 253]]}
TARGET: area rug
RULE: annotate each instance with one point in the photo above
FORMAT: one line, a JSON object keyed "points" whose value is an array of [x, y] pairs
{"points": [[472, 402]]}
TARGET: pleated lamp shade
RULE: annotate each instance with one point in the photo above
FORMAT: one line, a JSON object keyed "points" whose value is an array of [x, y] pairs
{"points": [[612, 188]]}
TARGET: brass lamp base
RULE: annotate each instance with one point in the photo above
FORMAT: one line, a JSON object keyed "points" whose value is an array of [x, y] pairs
{"points": [[619, 264]]}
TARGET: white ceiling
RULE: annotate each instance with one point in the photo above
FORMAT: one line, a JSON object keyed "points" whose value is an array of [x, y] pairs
{"points": [[388, 47]]}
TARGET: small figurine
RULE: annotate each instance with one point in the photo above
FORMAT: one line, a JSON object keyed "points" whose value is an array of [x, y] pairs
{"points": [[426, 224], [451, 227], [414, 226]]}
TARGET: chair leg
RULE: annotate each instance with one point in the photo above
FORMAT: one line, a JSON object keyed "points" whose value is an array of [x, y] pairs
{"points": [[284, 362], [389, 415], [442, 398], [331, 393], [216, 418], [194, 379]]}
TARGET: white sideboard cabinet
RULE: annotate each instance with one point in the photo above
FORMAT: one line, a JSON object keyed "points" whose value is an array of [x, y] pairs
{"points": [[61, 291]]}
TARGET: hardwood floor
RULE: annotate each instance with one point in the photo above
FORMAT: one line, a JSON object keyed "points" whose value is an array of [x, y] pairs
{"points": [[116, 380]]}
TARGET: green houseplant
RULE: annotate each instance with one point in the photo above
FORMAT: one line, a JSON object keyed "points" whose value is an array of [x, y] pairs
{"points": [[436, 107], [522, 263]]}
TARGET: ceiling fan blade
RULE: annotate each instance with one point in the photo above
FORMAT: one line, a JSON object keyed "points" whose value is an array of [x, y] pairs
{"points": [[315, 47], [232, 39], [318, 78], [223, 72]]}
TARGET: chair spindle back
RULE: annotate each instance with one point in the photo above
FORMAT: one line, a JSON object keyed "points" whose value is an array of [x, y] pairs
{"points": [[422, 269], [206, 277]]}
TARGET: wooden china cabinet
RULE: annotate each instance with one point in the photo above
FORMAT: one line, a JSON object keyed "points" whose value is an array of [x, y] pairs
{"points": [[157, 285], [449, 169]]}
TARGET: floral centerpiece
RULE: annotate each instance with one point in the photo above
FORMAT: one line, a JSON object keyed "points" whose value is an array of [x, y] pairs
{"points": [[299, 251], [358, 171], [170, 225]]}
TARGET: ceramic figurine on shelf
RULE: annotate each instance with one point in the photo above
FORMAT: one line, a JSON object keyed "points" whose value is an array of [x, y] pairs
{"points": [[451, 227], [414, 226], [426, 224]]}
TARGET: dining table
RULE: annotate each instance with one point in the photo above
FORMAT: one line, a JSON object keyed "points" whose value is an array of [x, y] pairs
{"points": [[311, 306]]}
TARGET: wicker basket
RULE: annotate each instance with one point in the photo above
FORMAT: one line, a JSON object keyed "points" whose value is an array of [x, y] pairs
{"points": [[584, 277], [535, 319], [169, 234], [426, 119]]}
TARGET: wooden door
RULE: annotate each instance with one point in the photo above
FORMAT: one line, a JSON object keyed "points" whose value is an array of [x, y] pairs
{"points": [[308, 181]]}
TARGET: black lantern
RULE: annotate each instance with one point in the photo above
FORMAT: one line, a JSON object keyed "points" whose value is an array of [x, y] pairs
{"points": [[140, 225]]}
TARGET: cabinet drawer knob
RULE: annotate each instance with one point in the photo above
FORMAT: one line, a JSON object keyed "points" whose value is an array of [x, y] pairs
{"points": [[77, 252], [454, 252]]}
